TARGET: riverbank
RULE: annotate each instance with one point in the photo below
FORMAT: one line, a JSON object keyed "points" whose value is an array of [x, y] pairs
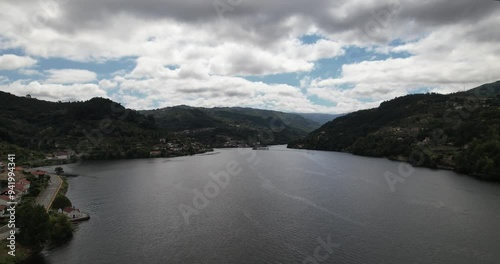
{"points": [[417, 159], [83, 158], [22, 254], [58, 187], [307, 192]]}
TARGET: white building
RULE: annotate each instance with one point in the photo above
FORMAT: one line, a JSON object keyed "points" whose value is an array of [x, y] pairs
{"points": [[72, 212]]}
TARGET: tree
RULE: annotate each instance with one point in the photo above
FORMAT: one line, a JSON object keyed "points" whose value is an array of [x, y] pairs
{"points": [[34, 225], [59, 170], [61, 228], [61, 202]]}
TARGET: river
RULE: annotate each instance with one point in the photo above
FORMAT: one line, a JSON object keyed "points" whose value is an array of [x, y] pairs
{"points": [[278, 206]]}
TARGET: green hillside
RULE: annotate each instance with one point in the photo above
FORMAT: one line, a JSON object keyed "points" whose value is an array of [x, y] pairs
{"points": [[233, 126], [102, 129], [98, 128], [320, 118], [457, 131]]}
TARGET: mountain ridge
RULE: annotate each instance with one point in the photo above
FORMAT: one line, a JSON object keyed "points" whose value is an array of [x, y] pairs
{"points": [[458, 131], [100, 128]]}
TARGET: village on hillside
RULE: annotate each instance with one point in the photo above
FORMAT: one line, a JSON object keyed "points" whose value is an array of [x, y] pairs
{"points": [[30, 183]]}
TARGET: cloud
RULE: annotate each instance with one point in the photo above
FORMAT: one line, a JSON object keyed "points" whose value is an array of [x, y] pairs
{"points": [[446, 45], [107, 84], [13, 62], [3, 79], [54, 92], [30, 72], [437, 63], [66, 76], [166, 87]]}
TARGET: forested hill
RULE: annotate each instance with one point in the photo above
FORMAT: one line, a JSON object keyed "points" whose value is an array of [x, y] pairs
{"points": [[235, 125], [102, 129], [97, 127], [457, 131], [320, 118]]}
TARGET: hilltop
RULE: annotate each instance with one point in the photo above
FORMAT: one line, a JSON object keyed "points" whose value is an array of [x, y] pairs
{"points": [[458, 131], [97, 128]]}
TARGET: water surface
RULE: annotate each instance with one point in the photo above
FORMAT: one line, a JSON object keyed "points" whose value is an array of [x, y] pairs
{"points": [[278, 208]]}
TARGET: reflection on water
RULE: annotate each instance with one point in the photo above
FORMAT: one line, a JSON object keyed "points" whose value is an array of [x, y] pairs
{"points": [[282, 207]]}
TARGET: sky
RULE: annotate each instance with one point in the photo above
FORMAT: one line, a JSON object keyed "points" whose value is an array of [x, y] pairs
{"points": [[295, 56]]}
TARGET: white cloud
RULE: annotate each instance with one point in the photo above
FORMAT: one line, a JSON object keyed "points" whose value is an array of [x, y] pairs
{"points": [[54, 92], [13, 62], [29, 72], [107, 84], [449, 59], [66, 76], [191, 85], [452, 44]]}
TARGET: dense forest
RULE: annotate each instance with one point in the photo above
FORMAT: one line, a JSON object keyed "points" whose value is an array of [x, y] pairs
{"points": [[102, 129], [233, 125], [98, 128], [320, 118], [459, 131]]}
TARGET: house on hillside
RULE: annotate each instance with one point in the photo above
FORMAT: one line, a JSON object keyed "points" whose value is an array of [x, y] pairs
{"points": [[62, 155], [38, 173], [17, 193], [25, 183], [4, 199], [155, 153], [20, 189]]}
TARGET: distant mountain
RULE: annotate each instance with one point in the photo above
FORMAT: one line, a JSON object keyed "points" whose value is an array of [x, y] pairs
{"points": [[232, 126], [457, 131], [320, 118]]}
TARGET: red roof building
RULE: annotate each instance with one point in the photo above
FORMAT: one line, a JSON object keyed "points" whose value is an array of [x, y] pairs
{"points": [[20, 188], [24, 182], [70, 210], [38, 173], [4, 199]]}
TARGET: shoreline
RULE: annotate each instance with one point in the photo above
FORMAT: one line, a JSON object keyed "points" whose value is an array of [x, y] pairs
{"points": [[26, 254], [406, 161]]}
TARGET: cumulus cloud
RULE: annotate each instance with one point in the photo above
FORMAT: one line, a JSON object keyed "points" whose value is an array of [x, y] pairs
{"points": [[107, 84], [192, 85], [65, 76], [54, 92], [188, 52], [13, 62]]}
